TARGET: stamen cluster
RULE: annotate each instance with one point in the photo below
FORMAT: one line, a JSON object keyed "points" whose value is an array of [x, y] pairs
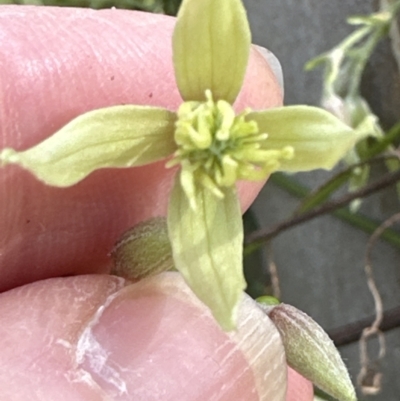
{"points": [[216, 148]]}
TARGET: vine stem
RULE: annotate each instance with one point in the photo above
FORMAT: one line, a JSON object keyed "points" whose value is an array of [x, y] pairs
{"points": [[351, 332], [257, 238]]}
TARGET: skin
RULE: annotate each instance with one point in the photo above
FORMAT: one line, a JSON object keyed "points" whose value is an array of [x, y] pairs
{"points": [[54, 65]]}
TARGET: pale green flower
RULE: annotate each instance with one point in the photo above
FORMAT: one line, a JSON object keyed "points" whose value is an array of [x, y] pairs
{"points": [[213, 146]]}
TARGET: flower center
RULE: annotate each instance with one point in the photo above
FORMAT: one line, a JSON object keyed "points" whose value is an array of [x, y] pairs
{"points": [[216, 148]]}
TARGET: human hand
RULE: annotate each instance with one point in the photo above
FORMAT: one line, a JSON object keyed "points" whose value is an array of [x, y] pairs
{"points": [[92, 337]]}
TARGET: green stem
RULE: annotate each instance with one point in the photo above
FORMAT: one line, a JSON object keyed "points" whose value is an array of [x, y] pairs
{"points": [[321, 194], [361, 57], [382, 143]]}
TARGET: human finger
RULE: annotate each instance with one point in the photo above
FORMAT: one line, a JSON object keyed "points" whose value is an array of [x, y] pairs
{"points": [[299, 389], [57, 63], [94, 338]]}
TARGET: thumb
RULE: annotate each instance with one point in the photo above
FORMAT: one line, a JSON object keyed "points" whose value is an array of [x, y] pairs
{"points": [[93, 338]]}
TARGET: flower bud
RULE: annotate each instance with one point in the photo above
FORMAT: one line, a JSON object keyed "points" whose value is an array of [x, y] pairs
{"points": [[311, 352], [143, 250]]}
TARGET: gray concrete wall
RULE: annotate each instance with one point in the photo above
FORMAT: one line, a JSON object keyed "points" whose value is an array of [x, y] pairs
{"points": [[321, 264]]}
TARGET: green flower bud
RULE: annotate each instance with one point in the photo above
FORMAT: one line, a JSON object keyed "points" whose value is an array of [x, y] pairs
{"points": [[311, 352], [268, 300], [143, 250]]}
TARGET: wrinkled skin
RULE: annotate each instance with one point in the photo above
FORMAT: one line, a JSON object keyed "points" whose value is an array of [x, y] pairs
{"points": [[54, 65]]}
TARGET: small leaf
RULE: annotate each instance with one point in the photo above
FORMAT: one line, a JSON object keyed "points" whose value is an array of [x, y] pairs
{"points": [[211, 45], [311, 352], [319, 139], [120, 136], [207, 247], [143, 250]]}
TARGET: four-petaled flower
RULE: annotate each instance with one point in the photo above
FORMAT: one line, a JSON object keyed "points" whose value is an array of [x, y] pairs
{"points": [[213, 146]]}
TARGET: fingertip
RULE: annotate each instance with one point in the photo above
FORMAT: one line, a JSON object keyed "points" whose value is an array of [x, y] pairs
{"points": [[92, 338], [160, 340], [261, 87], [40, 324], [273, 63], [299, 388], [248, 191]]}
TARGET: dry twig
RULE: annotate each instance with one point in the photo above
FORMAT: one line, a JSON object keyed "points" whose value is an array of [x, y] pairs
{"points": [[369, 378]]}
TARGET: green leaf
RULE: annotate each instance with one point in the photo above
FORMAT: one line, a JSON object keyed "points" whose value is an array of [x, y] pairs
{"points": [[207, 245], [318, 138], [120, 136], [211, 45]]}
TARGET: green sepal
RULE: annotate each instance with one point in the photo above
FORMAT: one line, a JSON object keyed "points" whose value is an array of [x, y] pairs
{"points": [[207, 248], [119, 136], [318, 138], [211, 46]]}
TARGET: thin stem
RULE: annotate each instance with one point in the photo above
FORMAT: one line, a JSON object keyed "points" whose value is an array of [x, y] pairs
{"points": [[384, 142], [255, 239], [321, 194], [360, 59], [351, 332]]}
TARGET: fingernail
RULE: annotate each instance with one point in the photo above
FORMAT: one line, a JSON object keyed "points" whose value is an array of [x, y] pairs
{"points": [[155, 340], [274, 63]]}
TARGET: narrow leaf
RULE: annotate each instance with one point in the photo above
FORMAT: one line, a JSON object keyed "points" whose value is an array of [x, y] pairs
{"points": [[319, 139], [211, 45], [323, 193], [311, 352], [207, 248], [120, 136]]}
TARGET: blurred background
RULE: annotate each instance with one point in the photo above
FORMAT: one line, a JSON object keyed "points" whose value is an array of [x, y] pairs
{"points": [[319, 265]]}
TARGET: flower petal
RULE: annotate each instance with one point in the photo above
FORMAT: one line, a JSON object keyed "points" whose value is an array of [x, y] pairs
{"points": [[207, 248], [120, 136], [211, 45], [318, 138]]}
